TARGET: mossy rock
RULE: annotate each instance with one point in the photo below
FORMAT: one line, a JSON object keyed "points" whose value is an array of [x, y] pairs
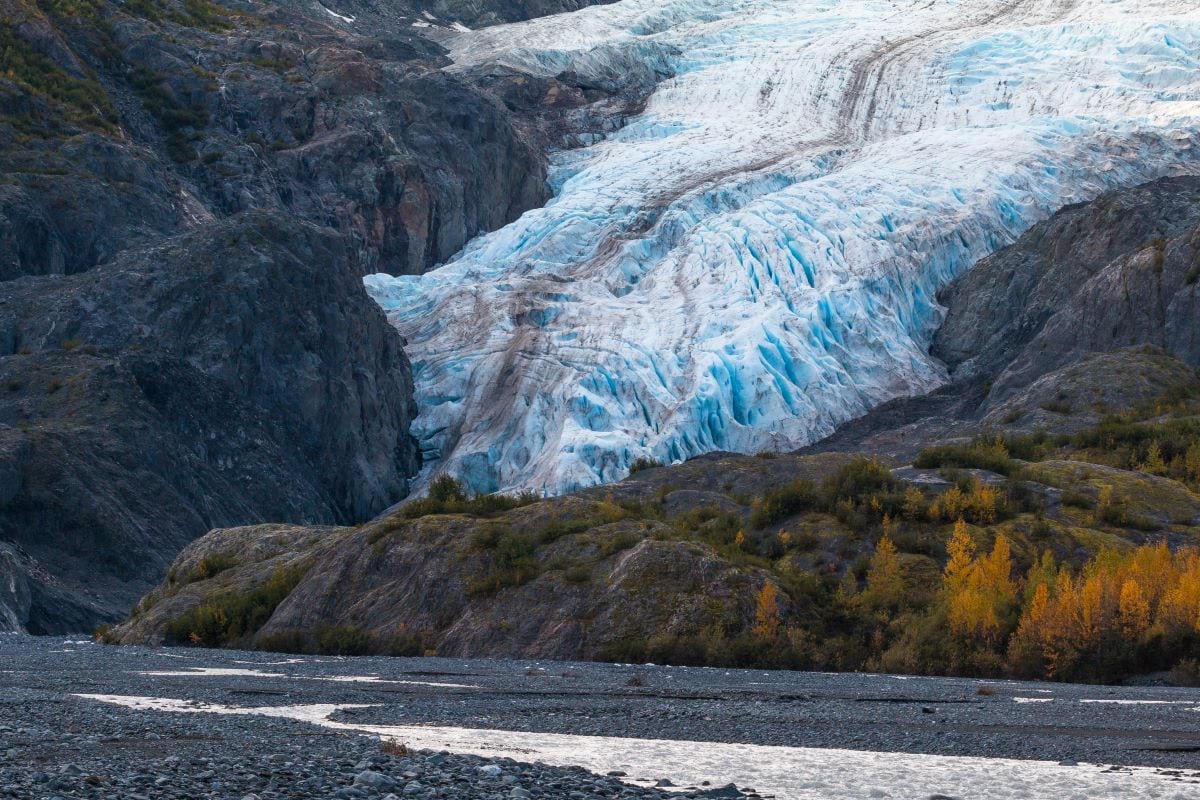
{"points": [[1147, 497]]}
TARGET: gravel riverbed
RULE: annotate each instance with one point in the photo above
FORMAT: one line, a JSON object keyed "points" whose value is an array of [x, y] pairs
{"points": [[321, 726]]}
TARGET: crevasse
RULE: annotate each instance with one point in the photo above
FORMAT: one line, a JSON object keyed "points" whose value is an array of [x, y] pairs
{"points": [[755, 258]]}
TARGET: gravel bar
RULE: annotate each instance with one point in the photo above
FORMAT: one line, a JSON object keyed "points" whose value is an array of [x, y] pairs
{"points": [[54, 743]]}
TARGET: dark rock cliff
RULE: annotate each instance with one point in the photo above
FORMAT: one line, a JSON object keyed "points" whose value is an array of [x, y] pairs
{"points": [[190, 193], [1116, 272], [235, 373], [264, 109]]}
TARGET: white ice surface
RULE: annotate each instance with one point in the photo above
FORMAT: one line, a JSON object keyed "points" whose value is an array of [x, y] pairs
{"points": [[789, 773], [754, 259]]}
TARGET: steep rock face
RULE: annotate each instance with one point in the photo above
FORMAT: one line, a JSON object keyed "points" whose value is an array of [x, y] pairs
{"points": [[268, 107], [190, 195], [150, 399], [1116, 272]]}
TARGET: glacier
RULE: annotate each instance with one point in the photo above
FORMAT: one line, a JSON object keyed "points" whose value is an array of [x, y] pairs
{"points": [[755, 257]]}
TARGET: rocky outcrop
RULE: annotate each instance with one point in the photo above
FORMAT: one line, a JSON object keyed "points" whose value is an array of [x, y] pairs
{"points": [[236, 373], [596, 575], [1117, 272], [190, 195], [272, 108]]}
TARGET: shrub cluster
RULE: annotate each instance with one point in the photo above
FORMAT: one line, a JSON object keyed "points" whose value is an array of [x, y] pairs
{"points": [[232, 618], [343, 640], [861, 484], [74, 101], [991, 455], [448, 496]]}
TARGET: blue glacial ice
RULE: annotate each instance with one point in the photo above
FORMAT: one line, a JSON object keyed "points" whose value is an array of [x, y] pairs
{"points": [[755, 258]]}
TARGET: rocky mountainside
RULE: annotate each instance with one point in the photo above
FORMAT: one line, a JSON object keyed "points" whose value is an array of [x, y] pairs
{"points": [[190, 194], [1066, 449], [147, 400]]}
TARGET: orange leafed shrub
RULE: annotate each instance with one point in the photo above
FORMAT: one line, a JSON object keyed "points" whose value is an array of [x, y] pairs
{"points": [[885, 582], [1097, 623], [766, 612], [980, 592]]}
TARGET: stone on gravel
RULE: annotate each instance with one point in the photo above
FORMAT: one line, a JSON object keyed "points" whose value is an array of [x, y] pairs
{"points": [[376, 780]]}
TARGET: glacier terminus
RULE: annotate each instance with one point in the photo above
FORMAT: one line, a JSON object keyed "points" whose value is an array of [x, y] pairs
{"points": [[755, 258]]}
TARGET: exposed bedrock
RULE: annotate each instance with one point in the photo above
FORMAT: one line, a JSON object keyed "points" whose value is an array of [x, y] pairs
{"points": [[151, 399], [190, 196]]}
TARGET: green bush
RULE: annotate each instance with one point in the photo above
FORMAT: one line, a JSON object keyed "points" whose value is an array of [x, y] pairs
{"points": [[577, 574], [1128, 443], [1193, 273], [803, 541], [1059, 405], [448, 496], [991, 456], [859, 480], [710, 648], [779, 504], [180, 123], [210, 566], [72, 9], [232, 618], [558, 528], [191, 13], [1119, 516], [1186, 673], [511, 562], [644, 463], [1076, 499], [342, 640], [75, 101]]}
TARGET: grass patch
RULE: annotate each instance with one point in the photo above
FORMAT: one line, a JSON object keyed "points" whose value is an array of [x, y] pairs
{"points": [[448, 496], [232, 618], [211, 566], [201, 14], [1059, 405], [991, 455], [73, 102]]}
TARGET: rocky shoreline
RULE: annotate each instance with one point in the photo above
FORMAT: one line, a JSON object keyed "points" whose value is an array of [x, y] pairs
{"points": [[58, 740]]}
